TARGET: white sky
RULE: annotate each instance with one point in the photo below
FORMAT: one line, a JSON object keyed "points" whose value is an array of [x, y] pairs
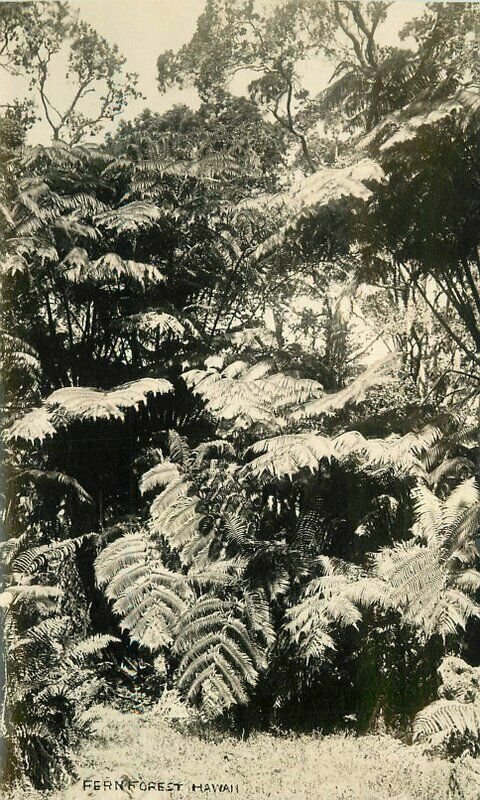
{"points": [[144, 28]]}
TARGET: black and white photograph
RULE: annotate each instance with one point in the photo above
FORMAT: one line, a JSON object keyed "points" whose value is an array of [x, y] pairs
{"points": [[240, 399]]}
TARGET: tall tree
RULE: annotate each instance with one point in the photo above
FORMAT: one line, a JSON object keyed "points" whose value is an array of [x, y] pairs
{"points": [[34, 35]]}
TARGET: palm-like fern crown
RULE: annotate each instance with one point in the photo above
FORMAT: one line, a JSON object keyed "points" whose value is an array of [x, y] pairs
{"points": [[81, 403], [245, 394]]}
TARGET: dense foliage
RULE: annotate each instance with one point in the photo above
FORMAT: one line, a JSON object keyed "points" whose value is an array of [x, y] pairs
{"points": [[240, 383]]}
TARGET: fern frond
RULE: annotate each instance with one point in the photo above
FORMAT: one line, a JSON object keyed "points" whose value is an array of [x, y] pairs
{"points": [[91, 404], [174, 515], [286, 456], [27, 592], [159, 476], [131, 218], [34, 426], [326, 603], [379, 373], [161, 325], [49, 632], [219, 658], [248, 394], [446, 717], [50, 555], [422, 578], [148, 597], [110, 268], [219, 448], [51, 479], [178, 448], [79, 654], [325, 187]]}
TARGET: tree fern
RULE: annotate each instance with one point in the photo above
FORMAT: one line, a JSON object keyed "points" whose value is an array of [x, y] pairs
{"points": [[404, 125], [246, 394], [430, 579]]}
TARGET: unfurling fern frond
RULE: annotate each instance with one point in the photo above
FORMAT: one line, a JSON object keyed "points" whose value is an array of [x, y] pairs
{"points": [[148, 597], [220, 657]]}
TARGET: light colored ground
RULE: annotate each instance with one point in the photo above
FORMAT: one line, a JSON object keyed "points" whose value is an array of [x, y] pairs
{"points": [[264, 766], [144, 748]]}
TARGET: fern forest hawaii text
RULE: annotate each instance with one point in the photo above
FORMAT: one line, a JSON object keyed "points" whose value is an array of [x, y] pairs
{"points": [[98, 785]]}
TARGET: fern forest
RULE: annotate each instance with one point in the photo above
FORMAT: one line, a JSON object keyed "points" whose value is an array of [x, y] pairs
{"points": [[240, 382]]}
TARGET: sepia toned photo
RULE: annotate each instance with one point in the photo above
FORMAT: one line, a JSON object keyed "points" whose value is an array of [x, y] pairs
{"points": [[240, 399]]}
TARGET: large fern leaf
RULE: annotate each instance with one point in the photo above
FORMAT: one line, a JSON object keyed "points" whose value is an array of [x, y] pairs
{"points": [[325, 187], [34, 426], [84, 403], [379, 373], [220, 660], [447, 717], [148, 597]]}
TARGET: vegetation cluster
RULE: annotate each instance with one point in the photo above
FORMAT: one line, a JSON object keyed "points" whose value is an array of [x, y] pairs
{"points": [[240, 381]]}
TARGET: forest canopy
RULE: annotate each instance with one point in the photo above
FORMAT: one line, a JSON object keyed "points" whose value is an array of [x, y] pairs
{"points": [[240, 365]]}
